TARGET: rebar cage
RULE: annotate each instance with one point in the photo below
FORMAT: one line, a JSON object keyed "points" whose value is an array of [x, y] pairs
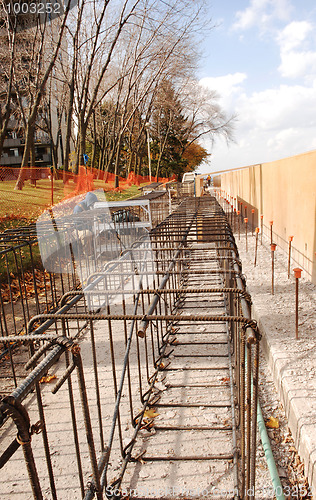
{"points": [[167, 314]]}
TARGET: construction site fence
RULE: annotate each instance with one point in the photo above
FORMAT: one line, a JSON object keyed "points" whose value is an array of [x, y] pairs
{"points": [[36, 173], [52, 187], [136, 294]]}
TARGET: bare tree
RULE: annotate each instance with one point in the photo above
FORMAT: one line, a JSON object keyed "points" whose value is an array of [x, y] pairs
{"points": [[181, 115], [204, 114], [41, 62], [157, 49], [95, 60]]}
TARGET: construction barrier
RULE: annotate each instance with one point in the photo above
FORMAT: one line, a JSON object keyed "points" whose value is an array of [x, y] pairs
{"points": [[52, 187]]}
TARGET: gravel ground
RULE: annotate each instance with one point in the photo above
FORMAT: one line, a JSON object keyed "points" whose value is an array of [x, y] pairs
{"points": [[290, 467], [278, 314]]}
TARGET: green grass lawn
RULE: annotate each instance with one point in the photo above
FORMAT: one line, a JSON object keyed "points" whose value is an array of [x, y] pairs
{"points": [[18, 208], [21, 207]]}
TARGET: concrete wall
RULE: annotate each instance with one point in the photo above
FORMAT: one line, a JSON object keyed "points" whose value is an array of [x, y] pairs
{"points": [[283, 191]]}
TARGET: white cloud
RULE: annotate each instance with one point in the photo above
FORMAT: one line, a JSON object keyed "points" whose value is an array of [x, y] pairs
{"points": [[284, 140], [227, 87], [293, 35], [279, 108], [224, 84], [297, 57], [298, 64], [262, 13], [274, 123]]}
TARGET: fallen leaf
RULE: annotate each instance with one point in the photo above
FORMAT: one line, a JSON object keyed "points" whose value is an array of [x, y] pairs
{"points": [[273, 423], [287, 439], [225, 380], [151, 413], [300, 468], [47, 379]]}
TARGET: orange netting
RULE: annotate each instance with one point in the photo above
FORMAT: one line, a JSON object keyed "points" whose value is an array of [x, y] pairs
{"points": [[29, 173], [50, 189], [84, 180]]}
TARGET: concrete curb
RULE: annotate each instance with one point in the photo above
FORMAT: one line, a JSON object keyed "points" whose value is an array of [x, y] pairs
{"points": [[298, 405]]}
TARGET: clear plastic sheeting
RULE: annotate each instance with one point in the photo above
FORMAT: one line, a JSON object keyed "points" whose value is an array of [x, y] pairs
{"points": [[122, 277], [63, 230], [106, 245]]}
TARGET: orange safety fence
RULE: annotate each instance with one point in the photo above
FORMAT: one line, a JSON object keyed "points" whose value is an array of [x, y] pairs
{"points": [[29, 173], [109, 177], [42, 189], [84, 180]]}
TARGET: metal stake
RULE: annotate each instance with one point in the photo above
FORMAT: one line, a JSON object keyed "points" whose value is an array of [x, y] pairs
{"points": [[238, 222], [271, 238], [246, 225], [289, 261], [256, 247], [297, 274], [273, 247]]}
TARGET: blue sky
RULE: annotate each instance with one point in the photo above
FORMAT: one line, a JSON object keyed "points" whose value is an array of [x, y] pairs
{"points": [[261, 59]]}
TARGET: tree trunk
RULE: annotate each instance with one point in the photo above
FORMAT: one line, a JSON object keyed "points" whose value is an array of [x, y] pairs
{"points": [[26, 155], [94, 145], [5, 116], [81, 142], [140, 164], [101, 157], [68, 126], [110, 158], [130, 161], [61, 145], [117, 162], [54, 150], [32, 162], [37, 100]]}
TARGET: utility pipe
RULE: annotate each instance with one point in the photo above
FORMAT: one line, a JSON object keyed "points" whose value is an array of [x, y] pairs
{"points": [[278, 490]]}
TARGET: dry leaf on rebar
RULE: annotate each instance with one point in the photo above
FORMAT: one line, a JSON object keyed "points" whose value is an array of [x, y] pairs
{"points": [[151, 413], [273, 423], [224, 380], [47, 379]]}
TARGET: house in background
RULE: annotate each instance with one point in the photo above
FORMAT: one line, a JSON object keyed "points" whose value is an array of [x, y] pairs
{"points": [[13, 147]]}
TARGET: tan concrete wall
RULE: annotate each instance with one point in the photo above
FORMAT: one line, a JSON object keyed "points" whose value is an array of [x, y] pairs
{"points": [[283, 191]]}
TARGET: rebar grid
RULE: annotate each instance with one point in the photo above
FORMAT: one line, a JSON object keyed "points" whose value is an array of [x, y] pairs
{"points": [[134, 329], [26, 289]]}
